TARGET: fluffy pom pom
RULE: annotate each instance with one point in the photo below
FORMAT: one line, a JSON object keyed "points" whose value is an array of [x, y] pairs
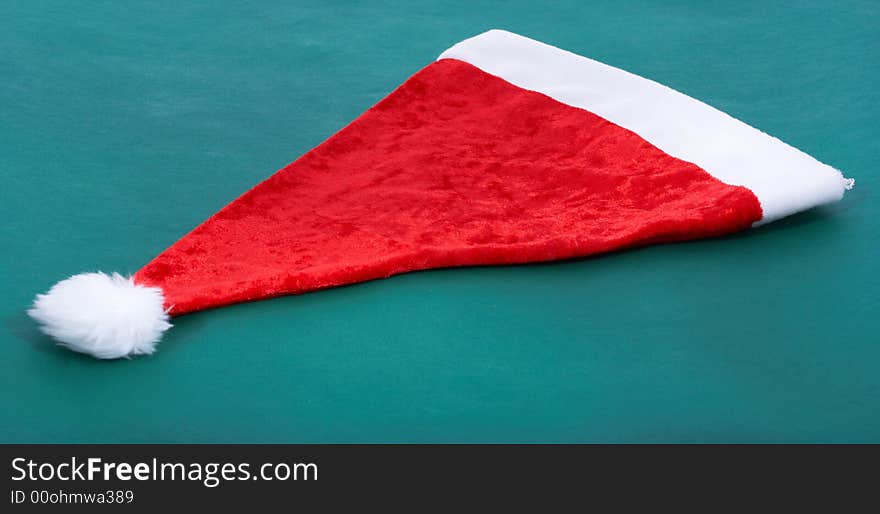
{"points": [[106, 316]]}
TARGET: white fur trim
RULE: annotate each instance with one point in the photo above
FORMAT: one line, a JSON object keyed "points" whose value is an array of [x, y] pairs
{"points": [[106, 316], [784, 179]]}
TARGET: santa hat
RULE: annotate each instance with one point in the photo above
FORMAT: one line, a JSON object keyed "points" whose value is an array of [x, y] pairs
{"points": [[505, 150]]}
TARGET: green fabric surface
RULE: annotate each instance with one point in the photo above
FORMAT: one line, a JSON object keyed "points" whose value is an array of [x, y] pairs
{"points": [[125, 124]]}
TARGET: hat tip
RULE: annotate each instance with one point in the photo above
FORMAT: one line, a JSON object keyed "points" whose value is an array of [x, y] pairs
{"points": [[107, 316]]}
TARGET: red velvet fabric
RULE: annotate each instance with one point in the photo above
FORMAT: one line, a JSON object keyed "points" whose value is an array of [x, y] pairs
{"points": [[456, 167]]}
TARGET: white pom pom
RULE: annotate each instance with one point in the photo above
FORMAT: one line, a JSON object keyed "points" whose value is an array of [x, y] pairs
{"points": [[107, 316]]}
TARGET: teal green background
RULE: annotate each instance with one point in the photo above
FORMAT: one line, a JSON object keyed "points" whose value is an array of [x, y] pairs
{"points": [[125, 124]]}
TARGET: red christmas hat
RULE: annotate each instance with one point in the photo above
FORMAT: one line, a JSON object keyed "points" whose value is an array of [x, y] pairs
{"points": [[505, 150]]}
